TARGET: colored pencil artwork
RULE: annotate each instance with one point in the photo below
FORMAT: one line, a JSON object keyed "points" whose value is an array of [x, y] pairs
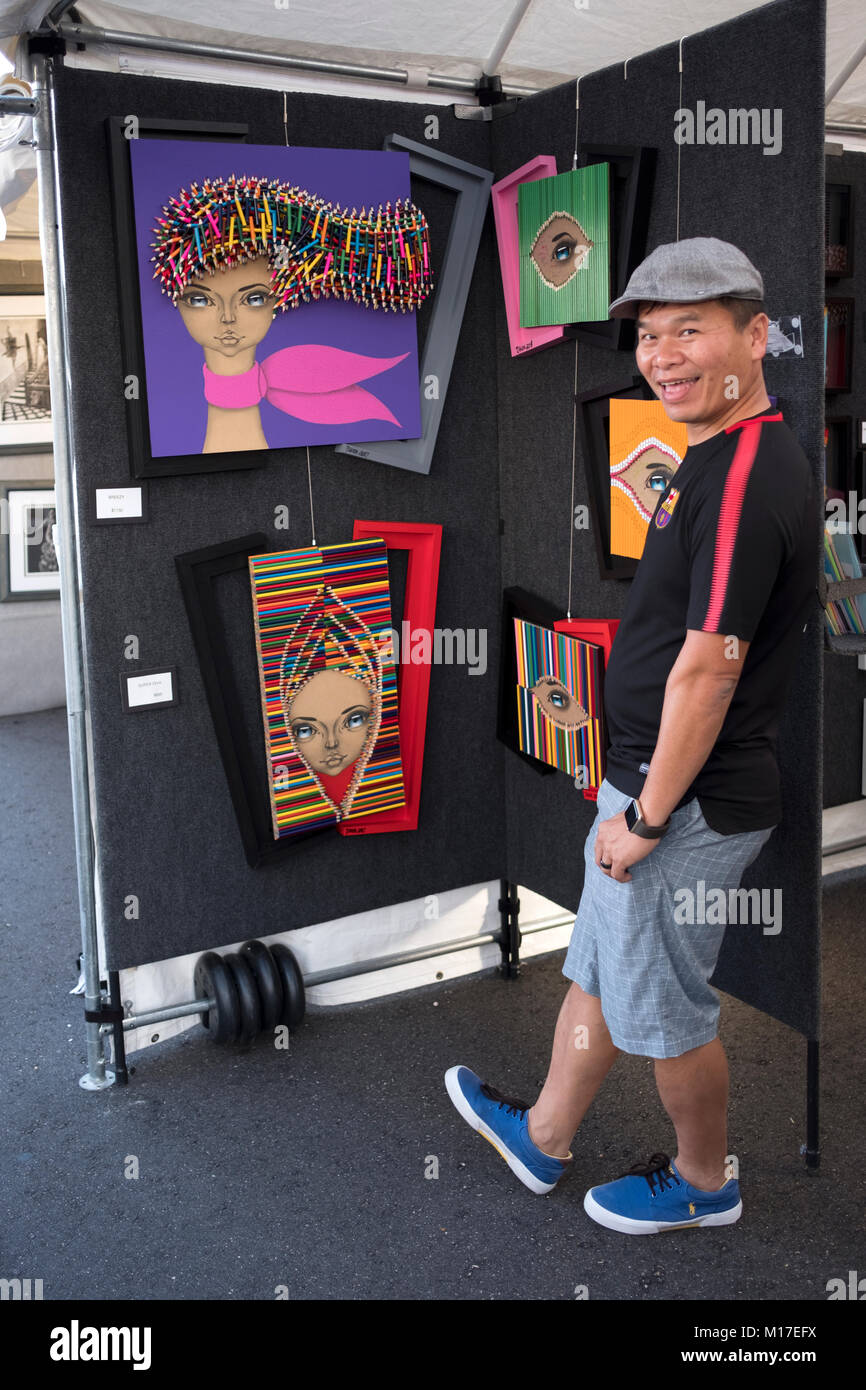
{"points": [[328, 684], [278, 289], [646, 449], [559, 701], [564, 237]]}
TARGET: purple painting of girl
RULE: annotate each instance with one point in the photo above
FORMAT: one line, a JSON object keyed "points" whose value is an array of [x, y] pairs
{"points": [[233, 254]]}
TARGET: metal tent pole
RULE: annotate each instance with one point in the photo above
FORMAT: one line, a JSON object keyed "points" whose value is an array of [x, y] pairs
{"points": [[50, 235]]}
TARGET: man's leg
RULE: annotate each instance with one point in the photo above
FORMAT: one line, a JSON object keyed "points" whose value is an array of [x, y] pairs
{"points": [[694, 1091], [582, 1056]]}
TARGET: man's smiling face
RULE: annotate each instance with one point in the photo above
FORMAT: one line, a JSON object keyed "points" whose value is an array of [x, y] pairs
{"points": [[696, 359]]}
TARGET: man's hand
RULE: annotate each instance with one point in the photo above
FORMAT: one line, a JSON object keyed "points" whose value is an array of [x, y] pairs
{"points": [[617, 846]]}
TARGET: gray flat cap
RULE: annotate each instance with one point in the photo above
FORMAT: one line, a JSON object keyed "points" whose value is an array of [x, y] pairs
{"points": [[685, 272]]}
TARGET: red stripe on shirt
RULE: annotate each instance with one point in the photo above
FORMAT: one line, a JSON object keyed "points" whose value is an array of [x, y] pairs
{"points": [[729, 520]]}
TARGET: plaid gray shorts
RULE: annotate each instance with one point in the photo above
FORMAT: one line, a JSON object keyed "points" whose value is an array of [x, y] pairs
{"points": [[650, 971]]}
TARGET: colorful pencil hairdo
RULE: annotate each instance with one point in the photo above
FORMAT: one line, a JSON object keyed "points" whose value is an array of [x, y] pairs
{"points": [[315, 250]]}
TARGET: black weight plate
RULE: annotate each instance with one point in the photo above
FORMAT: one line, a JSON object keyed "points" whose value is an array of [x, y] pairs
{"points": [[248, 994], [268, 981], [294, 999], [212, 979]]}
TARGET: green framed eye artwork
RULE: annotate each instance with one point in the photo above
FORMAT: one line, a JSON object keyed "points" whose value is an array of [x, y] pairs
{"points": [[564, 238]]}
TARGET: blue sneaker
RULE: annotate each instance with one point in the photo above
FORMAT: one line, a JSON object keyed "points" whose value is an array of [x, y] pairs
{"points": [[653, 1197], [502, 1121]]}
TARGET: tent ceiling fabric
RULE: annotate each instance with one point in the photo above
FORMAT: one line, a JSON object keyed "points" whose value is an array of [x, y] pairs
{"points": [[556, 40]]}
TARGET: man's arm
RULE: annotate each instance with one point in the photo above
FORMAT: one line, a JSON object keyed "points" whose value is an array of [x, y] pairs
{"points": [[698, 691]]}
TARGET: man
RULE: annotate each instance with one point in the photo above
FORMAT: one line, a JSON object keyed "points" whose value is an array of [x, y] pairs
{"points": [[693, 692]]}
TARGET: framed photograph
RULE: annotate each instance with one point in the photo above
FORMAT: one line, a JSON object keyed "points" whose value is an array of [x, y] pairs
{"points": [[265, 298], [29, 564], [25, 396], [593, 418], [838, 231], [454, 270], [839, 340], [632, 171], [504, 196]]}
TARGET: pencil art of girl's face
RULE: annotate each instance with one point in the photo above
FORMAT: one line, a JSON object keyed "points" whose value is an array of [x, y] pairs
{"points": [[558, 704], [647, 476], [560, 249], [231, 310], [329, 721]]}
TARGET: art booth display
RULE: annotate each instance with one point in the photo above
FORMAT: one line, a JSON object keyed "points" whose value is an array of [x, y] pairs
{"points": [[277, 287], [646, 449], [328, 684], [564, 238], [559, 703]]}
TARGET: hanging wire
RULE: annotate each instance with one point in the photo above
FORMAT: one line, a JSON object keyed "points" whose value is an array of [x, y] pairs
{"points": [[679, 147], [310, 485], [285, 119], [573, 469], [576, 120]]}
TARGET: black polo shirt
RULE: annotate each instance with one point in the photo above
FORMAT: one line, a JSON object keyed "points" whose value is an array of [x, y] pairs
{"points": [[732, 548]]}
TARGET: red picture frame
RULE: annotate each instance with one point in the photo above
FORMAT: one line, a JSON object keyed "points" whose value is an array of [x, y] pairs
{"points": [[601, 632], [423, 541]]}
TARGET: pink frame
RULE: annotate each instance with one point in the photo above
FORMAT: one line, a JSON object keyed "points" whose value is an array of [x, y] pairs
{"points": [[504, 195], [424, 544]]}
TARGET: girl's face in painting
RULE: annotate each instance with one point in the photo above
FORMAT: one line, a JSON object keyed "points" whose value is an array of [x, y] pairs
{"points": [[560, 249], [647, 476], [558, 704], [329, 721], [230, 311]]}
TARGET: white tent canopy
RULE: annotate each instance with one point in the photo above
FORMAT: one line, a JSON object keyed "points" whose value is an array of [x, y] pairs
{"points": [[529, 43]]}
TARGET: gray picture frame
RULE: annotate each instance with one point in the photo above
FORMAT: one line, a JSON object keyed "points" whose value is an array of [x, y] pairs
{"points": [[472, 186]]}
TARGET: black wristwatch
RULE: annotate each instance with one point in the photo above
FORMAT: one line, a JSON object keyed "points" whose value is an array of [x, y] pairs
{"points": [[634, 819]]}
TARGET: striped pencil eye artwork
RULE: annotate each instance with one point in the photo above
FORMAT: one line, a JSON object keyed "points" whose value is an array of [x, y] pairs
{"points": [[559, 700]]}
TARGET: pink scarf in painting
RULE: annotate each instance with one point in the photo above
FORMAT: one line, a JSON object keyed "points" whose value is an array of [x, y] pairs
{"points": [[312, 382]]}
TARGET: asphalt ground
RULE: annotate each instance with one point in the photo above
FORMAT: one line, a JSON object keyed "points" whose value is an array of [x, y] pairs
{"points": [[309, 1172]]}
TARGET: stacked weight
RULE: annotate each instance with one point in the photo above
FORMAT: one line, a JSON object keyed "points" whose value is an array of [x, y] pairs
{"points": [[254, 990]]}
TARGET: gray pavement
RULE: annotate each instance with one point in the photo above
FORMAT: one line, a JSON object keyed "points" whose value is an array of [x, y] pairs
{"points": [[306, 1169]]}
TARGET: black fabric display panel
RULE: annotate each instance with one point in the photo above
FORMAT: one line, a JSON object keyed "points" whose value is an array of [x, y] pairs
{"points": [[772, 207], [164, 820], [844, 682]]}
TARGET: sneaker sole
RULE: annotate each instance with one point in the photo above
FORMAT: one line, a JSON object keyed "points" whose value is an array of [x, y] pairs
{"points": [[632, 1227], [519, 1169]]}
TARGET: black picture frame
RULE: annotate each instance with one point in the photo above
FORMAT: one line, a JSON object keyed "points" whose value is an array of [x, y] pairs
{"points": [[632, 173], [838, 230], [839, 455], [840, 339], [142, 462], [593, 418], [8, 592], [245, 768], [518, 603]]}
